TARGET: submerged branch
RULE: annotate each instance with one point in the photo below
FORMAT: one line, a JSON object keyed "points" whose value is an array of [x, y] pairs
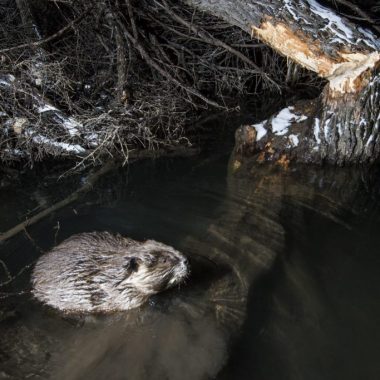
{"points": [[90, 181]]}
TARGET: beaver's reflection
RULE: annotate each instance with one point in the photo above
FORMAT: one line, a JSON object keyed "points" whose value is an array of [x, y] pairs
{"points": [[188, 335], [175, 337]]}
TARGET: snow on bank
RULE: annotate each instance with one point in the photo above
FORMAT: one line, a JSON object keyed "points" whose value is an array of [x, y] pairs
{"points": [[16, 153], [316, 131], [46, 108], [294, 140], [69, 123], [290, 8], [280, 125], [92, 139], [283, 120], [261, 131], [338, 27], [70, 148], [7, 80], [335, 23]]}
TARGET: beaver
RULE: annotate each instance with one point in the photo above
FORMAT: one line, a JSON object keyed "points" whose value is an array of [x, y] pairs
{"points": [[101, 272]]}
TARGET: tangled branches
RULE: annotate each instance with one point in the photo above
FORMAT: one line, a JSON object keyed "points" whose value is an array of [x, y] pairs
{"points": [[89, 80]]}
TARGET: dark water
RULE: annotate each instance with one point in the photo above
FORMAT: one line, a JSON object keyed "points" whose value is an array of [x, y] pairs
{"points": [[285, 274]]}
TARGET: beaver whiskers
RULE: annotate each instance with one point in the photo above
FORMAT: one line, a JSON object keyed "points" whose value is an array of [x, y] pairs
{"points": [[101, 272]]}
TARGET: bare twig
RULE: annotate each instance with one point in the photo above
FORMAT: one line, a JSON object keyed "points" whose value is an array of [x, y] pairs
{"points": [[47, 39], [166, 74], [216, 42], [364, 15]]}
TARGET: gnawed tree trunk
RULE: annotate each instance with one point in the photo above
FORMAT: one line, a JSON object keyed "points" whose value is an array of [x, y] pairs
{"points": [[340, 126]]}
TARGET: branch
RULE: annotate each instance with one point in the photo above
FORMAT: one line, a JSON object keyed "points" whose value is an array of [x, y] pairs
{"points": [[132, 18], [145, 55], [71, 198], [211, 40], [47, 39], [365, 16]]}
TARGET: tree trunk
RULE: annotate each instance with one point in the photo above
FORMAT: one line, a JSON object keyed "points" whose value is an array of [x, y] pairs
{"points": [[342, 125]]}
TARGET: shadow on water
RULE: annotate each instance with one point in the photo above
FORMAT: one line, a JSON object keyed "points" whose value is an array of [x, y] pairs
{"points": [[315, 314], [284, 281]]}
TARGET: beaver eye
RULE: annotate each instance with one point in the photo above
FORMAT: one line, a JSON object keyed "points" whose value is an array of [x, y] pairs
{"points": [[159, 257], [163, 259]]}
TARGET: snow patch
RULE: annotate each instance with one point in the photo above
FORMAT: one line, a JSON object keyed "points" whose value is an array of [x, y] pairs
{"points": [[70, 124], [46, 108], [316, 130], [72, 148], [283, 120], [4, 83], [15, 152], [294, 140], [92, 139], [327, 128], [261, 131], [335, 23], [340, 130], [369, 140], [371, 40], [288, 6]]}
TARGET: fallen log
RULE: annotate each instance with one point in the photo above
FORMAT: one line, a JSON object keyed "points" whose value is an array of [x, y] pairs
{"points": [[341, 126]]}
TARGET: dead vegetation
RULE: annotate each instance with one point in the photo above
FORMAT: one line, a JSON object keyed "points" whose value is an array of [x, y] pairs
{"points": [[89, 80]]}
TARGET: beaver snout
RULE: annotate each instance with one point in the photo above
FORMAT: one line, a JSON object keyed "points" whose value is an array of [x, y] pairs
{"points": [[185, 266], [184, 263]]}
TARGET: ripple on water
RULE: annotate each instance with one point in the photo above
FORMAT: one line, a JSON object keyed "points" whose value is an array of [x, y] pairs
{"points": [[242, 230]]}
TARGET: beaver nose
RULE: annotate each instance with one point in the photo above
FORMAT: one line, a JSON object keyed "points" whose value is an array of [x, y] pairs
{"points": [[186, 261]]}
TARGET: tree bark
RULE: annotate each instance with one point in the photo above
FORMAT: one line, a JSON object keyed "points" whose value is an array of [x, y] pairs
{"points": [[342, 125]]}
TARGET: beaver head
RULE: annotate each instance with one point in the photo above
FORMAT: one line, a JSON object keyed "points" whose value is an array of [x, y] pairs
{"points": [[152, 267], [100, 272]]}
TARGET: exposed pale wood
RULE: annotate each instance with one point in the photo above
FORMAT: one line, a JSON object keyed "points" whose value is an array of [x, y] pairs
{"points": [[306, 32], [342, 125]]}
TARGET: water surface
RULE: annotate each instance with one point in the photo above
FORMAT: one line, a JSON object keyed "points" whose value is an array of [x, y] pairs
{"points": [[284, 280]]}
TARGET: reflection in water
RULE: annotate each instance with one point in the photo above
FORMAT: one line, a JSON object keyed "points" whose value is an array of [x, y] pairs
{"points": [[267, 297], [162, 350], [315, 314]]}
